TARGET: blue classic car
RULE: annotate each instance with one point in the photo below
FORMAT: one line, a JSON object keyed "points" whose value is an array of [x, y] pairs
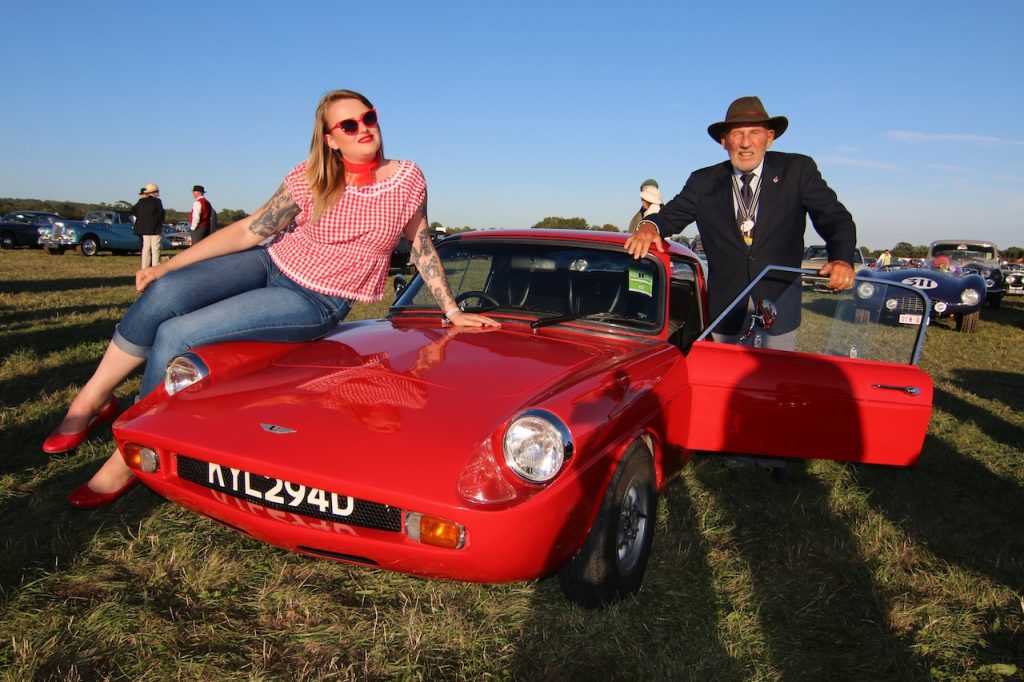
{"points": [[979, 257], [952, 292], [103, 230]]}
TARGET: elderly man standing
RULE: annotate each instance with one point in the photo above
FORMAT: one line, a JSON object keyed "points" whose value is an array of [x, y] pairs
{"points": [[751, 212], [201, 224]]}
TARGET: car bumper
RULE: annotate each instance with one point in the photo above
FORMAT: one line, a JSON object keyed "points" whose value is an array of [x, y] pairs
{"points": [[519, 542]]}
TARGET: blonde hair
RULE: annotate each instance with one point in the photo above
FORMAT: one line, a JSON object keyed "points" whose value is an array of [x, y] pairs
{"points": [[325, 171]]}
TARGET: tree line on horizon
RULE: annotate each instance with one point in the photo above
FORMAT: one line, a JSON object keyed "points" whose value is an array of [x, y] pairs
{"points": [[73, 210], [225, 216]]}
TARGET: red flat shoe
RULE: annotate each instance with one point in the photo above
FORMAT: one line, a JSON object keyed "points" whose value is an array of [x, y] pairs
{"points": [[84, 497], [62, 442]]}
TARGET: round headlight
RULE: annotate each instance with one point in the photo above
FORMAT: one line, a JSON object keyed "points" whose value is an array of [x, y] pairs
{"points": [[970, 297], [183, 371], [865, 289], [892, 304], [940, 306], [537, 444]]}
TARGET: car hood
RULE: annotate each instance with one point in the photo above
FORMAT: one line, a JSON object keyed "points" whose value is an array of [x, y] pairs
{"points": [[917, 274], [379, 407]]}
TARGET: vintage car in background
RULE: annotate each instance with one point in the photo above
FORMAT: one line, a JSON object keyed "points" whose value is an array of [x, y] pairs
{"points": [[101, 230], [816, 256], [21, 228], [979, 257], [1013, 278], [177, 236], [952, 292], [536, 448]]}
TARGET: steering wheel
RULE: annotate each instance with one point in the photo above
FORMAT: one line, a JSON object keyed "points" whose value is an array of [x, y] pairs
{"points": [[482, 295]]}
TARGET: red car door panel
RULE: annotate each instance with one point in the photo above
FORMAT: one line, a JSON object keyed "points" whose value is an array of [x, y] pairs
{"points": [[756, 401]]}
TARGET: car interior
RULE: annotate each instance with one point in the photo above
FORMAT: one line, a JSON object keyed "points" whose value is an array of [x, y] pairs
{"points": [[572, 281]]}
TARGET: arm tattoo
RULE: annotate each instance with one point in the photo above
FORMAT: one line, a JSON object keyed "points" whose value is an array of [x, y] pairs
{"points": [[278, 213], [428, 263]]}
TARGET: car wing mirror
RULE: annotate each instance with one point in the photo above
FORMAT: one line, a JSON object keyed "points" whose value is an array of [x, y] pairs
{"points": [[763, 316], [400, 283]]}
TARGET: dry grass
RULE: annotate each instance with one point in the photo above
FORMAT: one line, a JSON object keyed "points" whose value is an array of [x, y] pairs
{"points": [[851, 573]]}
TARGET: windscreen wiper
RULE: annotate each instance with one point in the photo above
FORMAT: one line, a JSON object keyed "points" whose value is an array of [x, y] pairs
{"points": [[569, 317]]}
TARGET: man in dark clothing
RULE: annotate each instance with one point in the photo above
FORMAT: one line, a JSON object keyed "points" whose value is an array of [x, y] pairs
{"points": [[149, 223], [751, 211]]}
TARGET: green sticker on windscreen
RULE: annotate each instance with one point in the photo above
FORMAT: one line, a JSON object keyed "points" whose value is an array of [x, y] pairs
{"points": [[640, 282]]}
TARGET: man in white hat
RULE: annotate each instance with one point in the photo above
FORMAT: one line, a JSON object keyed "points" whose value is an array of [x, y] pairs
{"points": [[149, 223], [650, 202]]}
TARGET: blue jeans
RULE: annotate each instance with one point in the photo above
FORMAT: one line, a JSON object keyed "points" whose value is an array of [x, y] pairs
{"points": [[238, 297]]}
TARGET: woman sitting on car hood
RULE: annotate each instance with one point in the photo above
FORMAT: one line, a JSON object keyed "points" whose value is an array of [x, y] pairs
{"points": [[346, 206]]}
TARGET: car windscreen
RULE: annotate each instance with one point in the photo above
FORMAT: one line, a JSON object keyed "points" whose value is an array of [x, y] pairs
{"points": [[873, 320], [960, 251], [548, 278]]}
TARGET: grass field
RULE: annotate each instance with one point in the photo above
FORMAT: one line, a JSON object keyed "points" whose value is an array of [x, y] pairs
{"points": [[850, 573]]}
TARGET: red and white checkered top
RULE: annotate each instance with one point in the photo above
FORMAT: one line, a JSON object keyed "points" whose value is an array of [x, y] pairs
{"points": [[347, 252]]}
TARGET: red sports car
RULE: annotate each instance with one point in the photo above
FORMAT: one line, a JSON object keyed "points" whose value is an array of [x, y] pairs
{"points": [[536, 448]]}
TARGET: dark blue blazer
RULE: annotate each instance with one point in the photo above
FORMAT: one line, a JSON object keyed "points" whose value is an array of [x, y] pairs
{"points": [[791, 189]]}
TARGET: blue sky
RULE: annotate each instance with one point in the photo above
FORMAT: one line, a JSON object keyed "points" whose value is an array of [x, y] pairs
{"points": [[518, 111]]}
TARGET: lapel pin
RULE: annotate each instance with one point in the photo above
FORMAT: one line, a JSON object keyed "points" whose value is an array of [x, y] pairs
{"points": [[775, 179]]}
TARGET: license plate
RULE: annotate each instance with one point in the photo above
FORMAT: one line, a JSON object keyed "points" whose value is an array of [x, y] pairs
{"points": [[277, 493], [910, 319]]}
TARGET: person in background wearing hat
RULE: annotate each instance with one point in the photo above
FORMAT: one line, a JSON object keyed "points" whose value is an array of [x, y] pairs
{"points": [[202, 214], [650, 202], [751, 211], [149, 223]]}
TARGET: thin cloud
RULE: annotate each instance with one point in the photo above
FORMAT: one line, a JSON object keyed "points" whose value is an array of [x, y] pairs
{"points": [[971, 173], [981, 140], [862, 163]]}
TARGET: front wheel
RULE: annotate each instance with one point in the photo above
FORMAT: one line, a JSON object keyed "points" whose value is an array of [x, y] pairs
{"points": [[968, 324], [994, 301], [6, 241], [613, 559], [88, 246]]}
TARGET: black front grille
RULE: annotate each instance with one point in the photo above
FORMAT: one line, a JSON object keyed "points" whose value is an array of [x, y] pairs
{"points": [[364, 513]]}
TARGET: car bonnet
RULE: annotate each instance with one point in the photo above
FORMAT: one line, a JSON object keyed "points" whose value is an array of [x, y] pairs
{"points": [[377, 410]]}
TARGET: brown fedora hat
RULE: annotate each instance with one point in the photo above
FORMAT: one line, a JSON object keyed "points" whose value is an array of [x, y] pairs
{"points": [[747, 111]]}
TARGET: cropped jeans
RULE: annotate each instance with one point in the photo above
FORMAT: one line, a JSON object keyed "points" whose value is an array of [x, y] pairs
{"points": [[239, 297]]}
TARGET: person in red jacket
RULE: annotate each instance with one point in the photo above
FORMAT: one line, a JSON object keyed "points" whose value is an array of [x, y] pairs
{"points": [[202, 214]]}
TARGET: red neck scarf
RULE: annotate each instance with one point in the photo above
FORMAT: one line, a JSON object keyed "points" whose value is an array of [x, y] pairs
{"points": [[362, 172]]}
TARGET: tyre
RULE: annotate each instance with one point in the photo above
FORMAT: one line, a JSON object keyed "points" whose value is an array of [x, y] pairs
{"points": [[968, 324], [89, 245], [55, 250], [994, 301], [613, 559], [7, 241]]}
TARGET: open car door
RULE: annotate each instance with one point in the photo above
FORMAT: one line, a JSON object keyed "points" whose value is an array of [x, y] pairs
{"points": [[809, 373]]}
